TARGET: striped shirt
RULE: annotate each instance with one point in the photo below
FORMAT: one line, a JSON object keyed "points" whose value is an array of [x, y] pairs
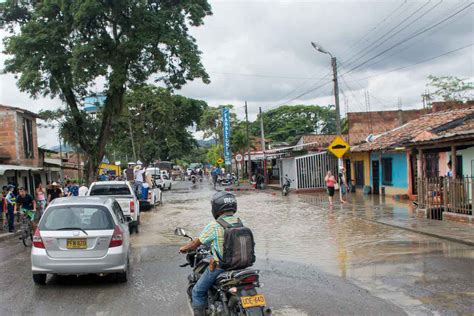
{"points": [[213, 234]]}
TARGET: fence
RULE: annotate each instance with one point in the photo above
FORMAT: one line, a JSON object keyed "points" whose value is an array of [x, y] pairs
{"points": [[311, 169], [445, 194]]}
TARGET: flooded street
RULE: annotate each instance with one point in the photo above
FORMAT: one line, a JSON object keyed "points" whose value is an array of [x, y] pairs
{"points": [[418, 273], [313, 261]]}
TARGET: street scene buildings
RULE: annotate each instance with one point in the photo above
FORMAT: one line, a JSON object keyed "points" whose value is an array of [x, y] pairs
{"points": [[236, 158]]}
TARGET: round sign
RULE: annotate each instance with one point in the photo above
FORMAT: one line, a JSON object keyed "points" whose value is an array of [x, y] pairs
{"points": [[220, 161], [239, 157]]}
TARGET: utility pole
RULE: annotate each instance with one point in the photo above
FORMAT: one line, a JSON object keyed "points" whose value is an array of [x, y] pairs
{"points": [[249, 161], [336, 96], [262, 135], [131, 136]]}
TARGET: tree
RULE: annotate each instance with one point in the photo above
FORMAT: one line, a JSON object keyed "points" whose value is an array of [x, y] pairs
{"points": [[62, 48], [451, 88], [214, 153], [286, 122], [211, 122], [159, 122]]}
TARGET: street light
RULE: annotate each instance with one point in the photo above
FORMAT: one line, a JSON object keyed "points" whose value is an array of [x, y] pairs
{"points": [[320, 49]]}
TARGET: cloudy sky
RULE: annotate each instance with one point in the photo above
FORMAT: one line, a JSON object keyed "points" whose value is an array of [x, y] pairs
{"points": [[260, 52]]}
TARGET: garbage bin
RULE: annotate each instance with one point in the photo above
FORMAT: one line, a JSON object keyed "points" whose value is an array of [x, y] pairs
{"points": [[144, 193]]}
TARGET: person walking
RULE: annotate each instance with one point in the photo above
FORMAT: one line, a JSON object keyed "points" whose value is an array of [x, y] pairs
{"points": [[40, 198], [83, 190], [54, 192], [343, 184], [11, 201], [330, 186]]}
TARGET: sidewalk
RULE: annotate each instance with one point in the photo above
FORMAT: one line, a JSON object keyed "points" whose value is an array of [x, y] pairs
{"points": [[6, 236], [401, 214]]}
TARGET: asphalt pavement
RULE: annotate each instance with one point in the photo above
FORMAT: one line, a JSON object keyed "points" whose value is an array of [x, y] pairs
{"points": [[313, 261]]}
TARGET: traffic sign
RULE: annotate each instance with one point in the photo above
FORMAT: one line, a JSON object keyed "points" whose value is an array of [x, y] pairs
{"points": [[338, 147], [220, 161], [239, 157]]}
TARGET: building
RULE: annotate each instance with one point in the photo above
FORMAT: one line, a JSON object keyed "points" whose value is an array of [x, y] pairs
{"points": [[394, 158], [20, 161]]}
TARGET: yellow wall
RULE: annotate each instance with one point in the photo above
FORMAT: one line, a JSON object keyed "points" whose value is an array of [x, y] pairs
{"points": [[365, 157]]}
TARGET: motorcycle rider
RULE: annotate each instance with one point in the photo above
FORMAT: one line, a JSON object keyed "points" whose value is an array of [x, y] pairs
{"points": [[224, 205]]}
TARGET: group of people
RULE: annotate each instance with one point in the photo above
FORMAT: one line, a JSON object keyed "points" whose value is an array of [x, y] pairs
{"points": [[332, 184], [14, 200]]}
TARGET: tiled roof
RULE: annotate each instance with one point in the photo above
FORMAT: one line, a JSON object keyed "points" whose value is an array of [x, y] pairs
{"points": [[427, 127], [20, 110], [318, 141]]}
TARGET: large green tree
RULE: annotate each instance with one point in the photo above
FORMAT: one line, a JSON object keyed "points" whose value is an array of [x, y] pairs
{"points": [[284, 123], [63, 48], [211, 122], [159, 123]]}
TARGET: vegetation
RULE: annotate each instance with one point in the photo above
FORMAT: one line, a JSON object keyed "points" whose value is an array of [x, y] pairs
{"points": [[63, 48], [451, 88]]}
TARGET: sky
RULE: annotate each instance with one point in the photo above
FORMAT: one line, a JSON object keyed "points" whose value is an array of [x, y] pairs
{"points": [[260, 52]]}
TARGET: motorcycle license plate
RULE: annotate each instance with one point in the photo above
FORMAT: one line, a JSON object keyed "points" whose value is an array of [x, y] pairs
{"points": [[253, 301], [77, 243]]}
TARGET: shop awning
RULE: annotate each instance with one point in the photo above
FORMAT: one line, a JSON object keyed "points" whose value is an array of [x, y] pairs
{"points": [[5, 168]]}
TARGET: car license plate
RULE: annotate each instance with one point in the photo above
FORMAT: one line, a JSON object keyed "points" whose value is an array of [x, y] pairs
{"points": [[77, 243], [253, 301]]}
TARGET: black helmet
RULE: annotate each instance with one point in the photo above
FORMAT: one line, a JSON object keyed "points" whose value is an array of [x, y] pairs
{"points": [[223, 202]]}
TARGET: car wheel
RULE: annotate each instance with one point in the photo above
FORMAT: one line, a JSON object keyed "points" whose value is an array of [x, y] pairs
{"points": [[169, 187], [122, 277], [138, 220], [131, 228], [39, 279], [136, 226]]}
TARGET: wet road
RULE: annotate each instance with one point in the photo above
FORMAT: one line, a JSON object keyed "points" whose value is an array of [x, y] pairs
{"points": [[313, 260]]}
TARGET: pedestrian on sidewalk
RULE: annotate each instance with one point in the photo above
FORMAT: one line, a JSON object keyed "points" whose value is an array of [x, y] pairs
{"points": [[330, 186], [11, 200], [54, 192]]}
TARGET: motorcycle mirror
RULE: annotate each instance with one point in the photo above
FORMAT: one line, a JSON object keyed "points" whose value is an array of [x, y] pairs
{"points": [[180, 232]]}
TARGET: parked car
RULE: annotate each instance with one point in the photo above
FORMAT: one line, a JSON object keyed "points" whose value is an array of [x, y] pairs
{"points": [[123, 192], [160, 178], [81, 235]]}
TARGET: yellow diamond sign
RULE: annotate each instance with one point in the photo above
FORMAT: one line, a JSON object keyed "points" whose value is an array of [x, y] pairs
{"points": [[220, 161], [338, 147]]}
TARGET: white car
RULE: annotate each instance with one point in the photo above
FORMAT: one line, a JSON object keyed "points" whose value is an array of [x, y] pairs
{"points": [[123, 192], [81, 235], [160, 178]]}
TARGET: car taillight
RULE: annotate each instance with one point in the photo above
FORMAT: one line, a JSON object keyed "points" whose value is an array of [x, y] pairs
{"points": [[250, 279], [117, 237], [132, 207], [37, 241]]}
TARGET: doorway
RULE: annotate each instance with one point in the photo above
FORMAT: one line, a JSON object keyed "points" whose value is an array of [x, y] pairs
{"points": [[375, 177]]}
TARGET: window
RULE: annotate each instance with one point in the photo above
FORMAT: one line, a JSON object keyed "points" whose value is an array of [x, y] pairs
{"points": [[77, 217], [111, 189], [387, 171], [118, 212], [28, 138]]}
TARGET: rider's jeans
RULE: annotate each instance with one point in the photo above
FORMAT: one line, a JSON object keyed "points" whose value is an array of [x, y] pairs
{"points": [[203, 285], [11, 218]]}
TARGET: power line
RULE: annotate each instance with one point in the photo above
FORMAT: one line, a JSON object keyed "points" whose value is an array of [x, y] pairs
{"points": [[265, 76], [348, 62], [363, 37], [415, 64], [411, 37], [399, 31]]}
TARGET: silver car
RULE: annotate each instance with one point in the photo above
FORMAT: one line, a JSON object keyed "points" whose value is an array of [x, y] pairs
{"points": [[81, 235]]}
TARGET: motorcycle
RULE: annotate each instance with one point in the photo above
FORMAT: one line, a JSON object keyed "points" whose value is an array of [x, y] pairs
{"points": [[286, 186], [193, 179], [234, 292]]}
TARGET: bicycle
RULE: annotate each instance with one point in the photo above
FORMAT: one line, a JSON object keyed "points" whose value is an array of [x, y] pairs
{"points": [[27, 217]]}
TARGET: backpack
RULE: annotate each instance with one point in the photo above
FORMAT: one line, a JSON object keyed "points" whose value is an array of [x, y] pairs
{"points": [[239, 252]]}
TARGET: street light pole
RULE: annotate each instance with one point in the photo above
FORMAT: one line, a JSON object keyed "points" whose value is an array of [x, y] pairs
{"points": [[336, 99]]}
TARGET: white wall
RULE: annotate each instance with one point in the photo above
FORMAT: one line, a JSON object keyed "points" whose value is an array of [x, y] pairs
{"points": [[467, 161]]}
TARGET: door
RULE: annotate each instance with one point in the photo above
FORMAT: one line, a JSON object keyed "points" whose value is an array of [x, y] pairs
{"points": [[359, 173], [375, 177]]}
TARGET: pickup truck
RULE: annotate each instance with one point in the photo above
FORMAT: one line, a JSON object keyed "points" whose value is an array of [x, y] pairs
{"points": [[124, 194], [160, 178]]}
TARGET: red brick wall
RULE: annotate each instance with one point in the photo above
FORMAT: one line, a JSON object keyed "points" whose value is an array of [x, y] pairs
{"points": [[11, 138]]}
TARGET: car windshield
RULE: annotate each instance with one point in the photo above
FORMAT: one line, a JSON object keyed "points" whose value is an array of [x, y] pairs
{"points": [[77, 217], [110, 189]]}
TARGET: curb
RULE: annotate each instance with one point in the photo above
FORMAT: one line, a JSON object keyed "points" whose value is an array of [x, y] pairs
{"points": [[469, 243], [7, 236]]}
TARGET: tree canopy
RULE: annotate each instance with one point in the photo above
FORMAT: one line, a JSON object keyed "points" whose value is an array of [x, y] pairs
{"points": [[63, 48], [451, 88]]}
